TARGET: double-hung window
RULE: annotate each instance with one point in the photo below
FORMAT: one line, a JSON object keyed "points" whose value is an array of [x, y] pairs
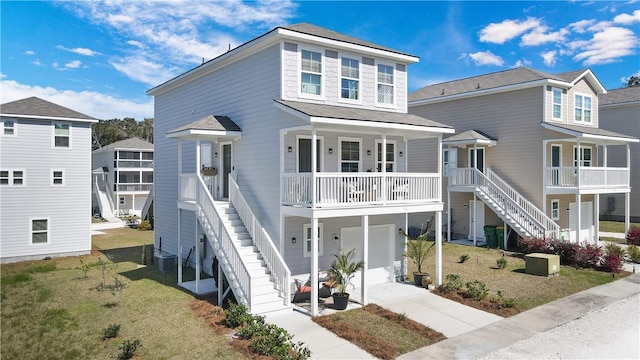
{"points": [[385, 84], [12, 177], [350, 155], [62, 135], [555, 209], [350, 80], [57, 177], [585, 156], [449, 160], [8, 128], [582, 108], [307, 240], [557, 104], [311, 72], [4, 177], [39, 231]]}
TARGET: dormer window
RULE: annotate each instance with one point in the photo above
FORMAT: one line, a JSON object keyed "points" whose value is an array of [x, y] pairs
{"points": [[350, 81], [385, 84], [311, 72], [582, 110]]}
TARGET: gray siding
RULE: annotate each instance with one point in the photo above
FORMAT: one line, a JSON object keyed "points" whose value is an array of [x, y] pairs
{"points": [[67, 207]]}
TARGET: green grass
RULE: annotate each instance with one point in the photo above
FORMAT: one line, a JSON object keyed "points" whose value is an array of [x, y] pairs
{"points": [[50, 311], [615, 226]]}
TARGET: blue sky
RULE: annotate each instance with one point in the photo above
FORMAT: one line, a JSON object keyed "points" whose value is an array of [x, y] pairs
{"points": [[99, 57]]}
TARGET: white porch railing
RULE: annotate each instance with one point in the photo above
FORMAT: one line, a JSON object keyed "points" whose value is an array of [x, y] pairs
{"points": [[262, 241], [600, 177], [349, 189], [134, 187]]}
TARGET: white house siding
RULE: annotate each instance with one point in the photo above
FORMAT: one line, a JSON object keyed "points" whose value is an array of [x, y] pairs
{"points": [[67, 207]]}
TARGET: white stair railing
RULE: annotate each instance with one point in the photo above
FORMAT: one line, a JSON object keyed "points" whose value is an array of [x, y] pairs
{"points": [[550, 226], [103, 187], [147, 204], [262, 241]]}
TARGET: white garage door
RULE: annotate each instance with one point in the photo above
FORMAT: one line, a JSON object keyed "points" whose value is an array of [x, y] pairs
{"points": [[381, 252]]}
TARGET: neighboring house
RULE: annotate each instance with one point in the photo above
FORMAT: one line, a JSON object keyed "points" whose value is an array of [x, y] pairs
{"points": [[620, 112], [279, 153], [45, 180], [528, 145], [122, 177]]}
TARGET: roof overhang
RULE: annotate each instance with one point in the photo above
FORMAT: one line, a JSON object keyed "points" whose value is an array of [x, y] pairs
{"points": [[593, 80], [55, 118], [193, 134], [596, 135], [464, 143]]}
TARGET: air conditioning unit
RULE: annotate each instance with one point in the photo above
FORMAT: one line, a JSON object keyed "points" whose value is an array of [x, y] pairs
{"points": [[542, 264]]}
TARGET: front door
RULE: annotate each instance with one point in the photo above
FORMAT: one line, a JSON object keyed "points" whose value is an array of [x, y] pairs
{"points": [[476, 161], [477, 220], [556, 162], [227, 167], [304, 155], [586, 222]]}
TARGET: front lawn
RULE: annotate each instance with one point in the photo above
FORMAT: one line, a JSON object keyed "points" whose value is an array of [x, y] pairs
{"points": [[615, 226]]}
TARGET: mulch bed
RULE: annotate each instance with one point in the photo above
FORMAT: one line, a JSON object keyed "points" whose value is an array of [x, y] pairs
{"points": [[485, 304]]}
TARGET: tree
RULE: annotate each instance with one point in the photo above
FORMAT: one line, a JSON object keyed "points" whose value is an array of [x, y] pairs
{"points": [[106, 132], [634, 80]]}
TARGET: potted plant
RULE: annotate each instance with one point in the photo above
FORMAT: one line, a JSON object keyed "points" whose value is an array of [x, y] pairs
{"points": [[417, 250], [342, 270]]}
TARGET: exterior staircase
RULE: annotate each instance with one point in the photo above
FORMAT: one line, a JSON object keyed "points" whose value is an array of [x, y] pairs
{"points": [[105, 202], [514, 209]]}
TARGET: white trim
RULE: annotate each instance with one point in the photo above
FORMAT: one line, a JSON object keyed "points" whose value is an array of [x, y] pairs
{"points": [[306, 227], [48, 231], [53, 135], [475, 163], [11, 177], [562, 103], [393, 104], [557, 209], [573, 110], [320, 150], [583, 135], [192, 133], [62, 177], [559, 146], [580, 157], [323, 65], [395, 155], [48, 118], [341, 77], [14, 127], [349, 139], [380, 125]]}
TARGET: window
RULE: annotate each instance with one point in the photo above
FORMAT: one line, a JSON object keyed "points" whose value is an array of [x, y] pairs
{"points": [[555, 209], [557, 104], [391, 160], [12, 177], [9, 128], [385, 84], [147, 177], [350, 82], [18, 177], [311, 75], [57, 177], [582, 109], [39, 231], [306, 229], [350, 155], [449, 160], [4, 177], [61, 135], [585, 156], [122, 200]]}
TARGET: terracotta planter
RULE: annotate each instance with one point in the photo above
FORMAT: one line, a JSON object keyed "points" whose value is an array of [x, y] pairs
{"points": [[340, 301]]}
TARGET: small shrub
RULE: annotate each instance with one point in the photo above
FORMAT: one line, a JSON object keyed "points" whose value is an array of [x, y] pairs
{"points": [[236, 315], [504, 302], [587, 255], [501, 263], [452, 283], [611, 263], [110, 331], [633, 253], [402, 317], [566, 251], [128, 349], [84, 267], [537, 245], [613, 248], [476, 290], [633, 236], [144, 225], [463, 258]]}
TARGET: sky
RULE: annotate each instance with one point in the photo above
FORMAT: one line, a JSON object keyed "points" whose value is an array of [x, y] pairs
{"points": [[100, 57]]}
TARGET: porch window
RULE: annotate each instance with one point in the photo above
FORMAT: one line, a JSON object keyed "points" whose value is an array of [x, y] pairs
{"points": [[39, 231], [62, 135], [350, 82], [9, 128], [385, 84], [391, 161], [306, 229], [582, 108], [555, 209], [57, 177], [350, 155], [311, 74], [585, 156], [449, 160], [557, 104]]}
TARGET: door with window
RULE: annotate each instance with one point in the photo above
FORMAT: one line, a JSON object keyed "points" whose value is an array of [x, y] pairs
{"points": [[227, 167], [556, 163], [390, 160], [304, 155], [476, 160]]}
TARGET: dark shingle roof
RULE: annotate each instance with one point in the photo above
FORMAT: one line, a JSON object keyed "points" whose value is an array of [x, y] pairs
{"points": [[494, 80], [620, 96], [132, 143], [590, 130], [211, 123], [35, 106], [349, 113], [470, 135]]}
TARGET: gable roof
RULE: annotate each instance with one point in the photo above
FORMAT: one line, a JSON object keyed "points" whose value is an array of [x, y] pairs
{"points": [[470, 137], [623, 96], [521, 77], [36, 108], [213, 125], [131, 143]]}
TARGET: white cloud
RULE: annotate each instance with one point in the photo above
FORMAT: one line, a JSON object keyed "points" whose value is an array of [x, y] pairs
{"points": [[540, 36], [73, 64], [606, 46], [29, 52], [486, 58], [626, 19], [36, 62], [143, 70], [136, 43], [499, 33], [521, 63], [549, 57], [79, 51], [98, 105], [581, 26]]}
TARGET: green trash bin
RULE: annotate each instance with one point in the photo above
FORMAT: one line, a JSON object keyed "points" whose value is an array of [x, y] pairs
{"points": [[490, 235], [500, 236]]}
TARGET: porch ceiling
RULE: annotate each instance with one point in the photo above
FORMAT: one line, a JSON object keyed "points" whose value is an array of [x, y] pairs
{"points": [[210, 125], [593, 134]]}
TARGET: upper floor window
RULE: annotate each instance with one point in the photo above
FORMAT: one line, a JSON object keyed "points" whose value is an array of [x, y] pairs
{"points": [[8, 128], [350, 155], [311, 72], [449, 160], [57, 177], [582, 108], [4, 177], [12, 177], [385, 84], [390, 156], [555, 209], [62, 135], [557, 104], [350, 81], [585, 156]]}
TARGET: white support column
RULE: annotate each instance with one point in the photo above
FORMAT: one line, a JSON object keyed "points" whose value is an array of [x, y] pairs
{"points": [[544, 177], [475, 220], [405, 262], [314, 266], [438, 248], [281, 237], [579, 175], [198, 240], [314, 165], [596, 215], [179, 247], [448, 214], [383, 168], [365, 258], [627, 196], [578, 222]]}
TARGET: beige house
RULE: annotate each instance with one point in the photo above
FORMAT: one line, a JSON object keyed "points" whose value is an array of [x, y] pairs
{"points": [[529, 153], [620, 112]]}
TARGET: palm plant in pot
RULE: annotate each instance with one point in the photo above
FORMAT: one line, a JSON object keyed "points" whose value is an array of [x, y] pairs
{"points": [[341, 272], [418, 249]]}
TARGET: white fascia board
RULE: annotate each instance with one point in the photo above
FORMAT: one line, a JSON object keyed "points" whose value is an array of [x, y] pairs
{"points": [[380, 125], [289, 34], [196, 132], [593, 80], [579, 134], [55, 118], [491, 91], [470, 142]]}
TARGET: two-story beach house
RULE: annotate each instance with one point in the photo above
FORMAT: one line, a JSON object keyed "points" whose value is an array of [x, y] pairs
{"points": [[274, 156], [122, 177], [45, 180], [620, 112], [529, 153]]}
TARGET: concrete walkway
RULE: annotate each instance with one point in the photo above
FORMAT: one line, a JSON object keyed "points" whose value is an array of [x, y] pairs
{"points": [[612, 235], [96, 227]]}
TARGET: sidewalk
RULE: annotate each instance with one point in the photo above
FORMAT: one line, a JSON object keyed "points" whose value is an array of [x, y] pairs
{"points": [[96, 227], [612, 235]]}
